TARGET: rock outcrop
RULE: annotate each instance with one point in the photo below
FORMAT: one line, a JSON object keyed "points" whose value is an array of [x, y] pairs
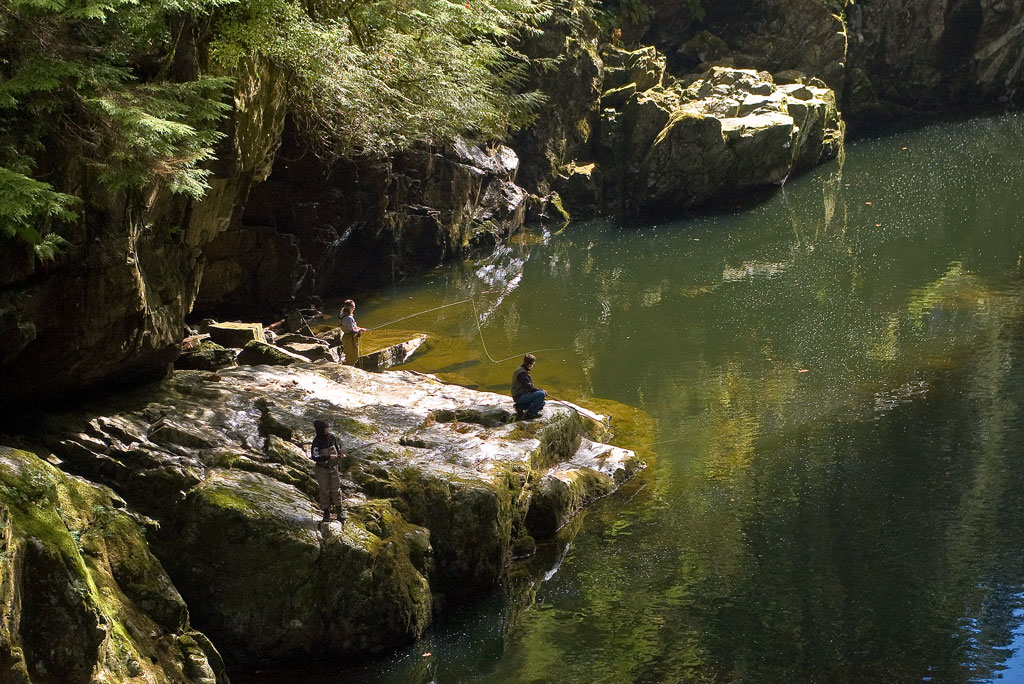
{"points": [[667, 146], [82, 598], [323, 229], [729, 132], [445, 490], [112, 308]]}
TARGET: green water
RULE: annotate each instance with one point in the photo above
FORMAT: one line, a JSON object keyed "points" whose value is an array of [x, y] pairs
{"points": [[836, 379]]}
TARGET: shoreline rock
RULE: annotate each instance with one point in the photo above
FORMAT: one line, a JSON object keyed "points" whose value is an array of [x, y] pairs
{"points": [[446, 489], [82, 597]]}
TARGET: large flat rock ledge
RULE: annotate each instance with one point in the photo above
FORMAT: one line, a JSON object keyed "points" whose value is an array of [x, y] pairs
{"points": [[445, 490]]}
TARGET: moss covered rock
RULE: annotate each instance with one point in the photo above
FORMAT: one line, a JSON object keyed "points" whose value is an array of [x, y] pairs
{"points": [[82, 597], [273, 583], [256, 353], [206, 356], [731, 131]]}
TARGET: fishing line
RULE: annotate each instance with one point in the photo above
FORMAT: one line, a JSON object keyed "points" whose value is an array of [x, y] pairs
{"points": [[479, 329], [436, 308], [487, 353]]}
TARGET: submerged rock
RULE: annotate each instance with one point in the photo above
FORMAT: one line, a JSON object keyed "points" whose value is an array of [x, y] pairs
{"points": [[442, 494], [386, 351]]}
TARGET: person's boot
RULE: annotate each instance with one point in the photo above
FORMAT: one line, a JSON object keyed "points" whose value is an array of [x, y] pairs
{"points": [[340, 512], [327, 516]]}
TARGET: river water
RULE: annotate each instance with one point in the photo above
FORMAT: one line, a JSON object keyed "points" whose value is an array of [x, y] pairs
{"points": [[832, 388]]}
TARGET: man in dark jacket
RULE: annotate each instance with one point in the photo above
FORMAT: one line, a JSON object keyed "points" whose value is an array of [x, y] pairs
{"points": [[326, 453], [528, 399]]}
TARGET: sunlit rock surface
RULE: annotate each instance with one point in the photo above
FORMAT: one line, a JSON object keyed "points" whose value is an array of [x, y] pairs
{"points": [[730, 131], [444, 485]]}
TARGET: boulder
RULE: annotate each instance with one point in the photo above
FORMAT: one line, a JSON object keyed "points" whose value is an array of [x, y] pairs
{"points": [[312, 351], [256, 353], [206, 356], [234, 335], [732, 131], [84, 599]]}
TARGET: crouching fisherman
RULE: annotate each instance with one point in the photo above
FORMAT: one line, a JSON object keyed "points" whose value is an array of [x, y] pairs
{"points": [[529, 400], [327, 454]]}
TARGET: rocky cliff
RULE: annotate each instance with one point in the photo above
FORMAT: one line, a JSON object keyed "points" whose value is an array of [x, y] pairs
{"points": [[318, 228], [709, 109], [928, 57], [111, 308]]}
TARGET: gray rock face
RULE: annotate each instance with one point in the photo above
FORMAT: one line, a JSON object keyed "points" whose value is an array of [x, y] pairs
{"points": [[732, 129], [355, 224], [112, 308], [567, 123], [933, 55], [252, 270], [440, 492]]}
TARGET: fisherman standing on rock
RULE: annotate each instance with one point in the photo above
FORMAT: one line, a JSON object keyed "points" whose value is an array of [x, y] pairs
{"points": [[529, 400], [326, 452], [350, 332]]}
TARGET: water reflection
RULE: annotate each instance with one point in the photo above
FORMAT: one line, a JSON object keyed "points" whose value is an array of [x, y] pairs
{"points": [[836, 383]]}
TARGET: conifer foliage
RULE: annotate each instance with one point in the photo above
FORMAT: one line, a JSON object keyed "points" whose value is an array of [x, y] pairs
{"points": [[135, 89], [98, 80]]}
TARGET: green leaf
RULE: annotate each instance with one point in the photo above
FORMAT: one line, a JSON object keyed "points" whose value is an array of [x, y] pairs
{"points": [[26, 204]]}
